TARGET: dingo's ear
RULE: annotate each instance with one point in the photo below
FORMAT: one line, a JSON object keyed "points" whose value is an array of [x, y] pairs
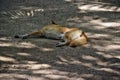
{"points": [[82, 33], [53, 22]]}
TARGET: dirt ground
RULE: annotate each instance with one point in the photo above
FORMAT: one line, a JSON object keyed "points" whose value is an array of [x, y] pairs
{"points": [[39, 59]]}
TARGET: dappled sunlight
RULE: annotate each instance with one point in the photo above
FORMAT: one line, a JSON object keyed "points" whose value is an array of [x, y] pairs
{"points": [[105, 55], [5, 44], [31, 11], [7, 59], [32, 66], [13, 76], [72, 61], [4, 39], [86, 75], [31, 8], [109, 55], [46, 49], [49, 71], [23, 54], [54, 76], [68, 0], [23, 12], [102, 63], [25, 44], [97, 60], [105, 24], [97, 35], [112, 47], [96, 64], [117, 57], [87, 65], [62, 60], [19, 45], [31, 62], [107, 70], [98, 7], [40, 66], [89, 57]]}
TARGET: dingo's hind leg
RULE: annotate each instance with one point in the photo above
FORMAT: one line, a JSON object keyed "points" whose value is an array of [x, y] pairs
{"points": [[73, 43], [22, 36], [33, 34]]}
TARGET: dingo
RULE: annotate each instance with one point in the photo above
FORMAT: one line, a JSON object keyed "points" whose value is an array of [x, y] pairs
{"points": [[71, 36]]}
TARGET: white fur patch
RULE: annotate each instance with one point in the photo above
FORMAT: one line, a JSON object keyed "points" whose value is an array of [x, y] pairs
{"points": [[76, 35], [52, 34]]}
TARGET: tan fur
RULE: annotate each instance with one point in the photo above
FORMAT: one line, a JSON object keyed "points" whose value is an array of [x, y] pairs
{"points": [[74, 38], [51, 29], [71, 36]]}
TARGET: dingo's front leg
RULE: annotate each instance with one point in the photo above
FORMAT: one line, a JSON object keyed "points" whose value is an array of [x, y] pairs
{"points": [[63, 43], [59, 44]]}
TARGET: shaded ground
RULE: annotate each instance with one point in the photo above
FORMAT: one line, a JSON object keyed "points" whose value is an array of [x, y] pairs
{"points": [[39, 59]]}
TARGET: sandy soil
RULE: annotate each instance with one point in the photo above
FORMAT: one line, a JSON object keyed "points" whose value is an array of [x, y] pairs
{"points": [[39, 59]]}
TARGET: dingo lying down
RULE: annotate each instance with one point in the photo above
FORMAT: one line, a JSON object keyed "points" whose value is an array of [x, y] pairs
{"points": [[69, 36]]}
